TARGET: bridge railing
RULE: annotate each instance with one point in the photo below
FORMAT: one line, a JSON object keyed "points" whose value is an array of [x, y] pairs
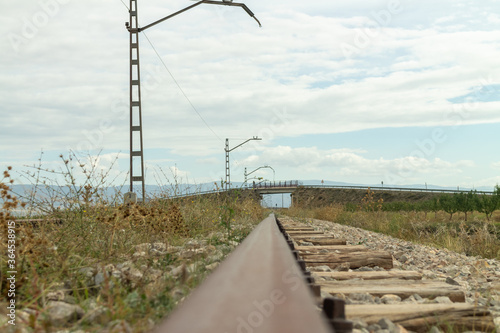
{"points": [[395, 189], [274, 184]]}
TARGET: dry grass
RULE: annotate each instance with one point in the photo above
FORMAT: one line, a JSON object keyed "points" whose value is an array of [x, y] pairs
{"points": [[93, 232], [474, 237], [477, 236]]}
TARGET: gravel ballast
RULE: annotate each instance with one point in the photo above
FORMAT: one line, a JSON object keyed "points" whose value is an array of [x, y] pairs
{"points": [[479, 277]]}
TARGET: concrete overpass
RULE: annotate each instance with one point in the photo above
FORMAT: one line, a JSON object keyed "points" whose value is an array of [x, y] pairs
{"points": [[319, 195], [288, 186]]}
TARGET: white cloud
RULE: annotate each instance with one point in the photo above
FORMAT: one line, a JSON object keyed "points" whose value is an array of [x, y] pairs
{"points": [[493, 19], [65, 84], [343, 164], [209, 161], [489, 183]]}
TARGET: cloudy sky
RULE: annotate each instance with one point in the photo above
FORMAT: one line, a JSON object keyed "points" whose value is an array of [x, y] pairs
{"points": [[403, 91]]}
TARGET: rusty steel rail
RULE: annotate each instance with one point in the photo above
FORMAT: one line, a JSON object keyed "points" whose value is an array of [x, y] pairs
{"points": [[259, 288]]}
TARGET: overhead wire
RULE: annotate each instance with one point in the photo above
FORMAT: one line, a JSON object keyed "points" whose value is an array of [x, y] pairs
{"points": [[125, 5], [176, 82]]}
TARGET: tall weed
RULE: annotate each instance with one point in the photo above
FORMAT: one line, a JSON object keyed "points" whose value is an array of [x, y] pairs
{"points": [[81, 226]]}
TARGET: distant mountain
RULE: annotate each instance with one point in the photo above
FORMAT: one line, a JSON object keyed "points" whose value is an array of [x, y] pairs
{"points": [[185, 189]]}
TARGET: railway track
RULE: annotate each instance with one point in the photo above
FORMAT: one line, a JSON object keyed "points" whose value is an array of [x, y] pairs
{"points": [[271, 283], [348, 277], [258, 288]]}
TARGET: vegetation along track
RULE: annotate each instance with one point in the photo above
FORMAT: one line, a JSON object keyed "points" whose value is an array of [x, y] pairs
{"points": [[261, 288]]}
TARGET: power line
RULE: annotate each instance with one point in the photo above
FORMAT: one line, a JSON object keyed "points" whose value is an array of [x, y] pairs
{"points": [[176, 82], [182, 91], [125, 5]]}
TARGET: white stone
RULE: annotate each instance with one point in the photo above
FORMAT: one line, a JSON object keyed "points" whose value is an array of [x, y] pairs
{"points": [[61, 313], [443, 300], [212, 266], [390, 299]]}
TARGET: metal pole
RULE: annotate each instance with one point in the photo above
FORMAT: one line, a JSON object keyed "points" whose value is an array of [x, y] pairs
{"points": [[135, 92], [136, 152], [265, 166], [228, 176], [171, 15]]}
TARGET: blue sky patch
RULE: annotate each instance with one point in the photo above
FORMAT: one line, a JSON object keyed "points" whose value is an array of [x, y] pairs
{"points": [[488, 93]]}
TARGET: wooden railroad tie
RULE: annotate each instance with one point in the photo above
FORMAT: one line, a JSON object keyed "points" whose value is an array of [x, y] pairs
{"points": [[354, 260], [420, 317], [304, 233], [334, 253], [374, 275], [402, 288], [319, 240]]}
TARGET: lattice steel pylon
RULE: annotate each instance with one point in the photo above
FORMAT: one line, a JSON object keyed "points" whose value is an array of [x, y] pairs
{"points": [[228, 176], [136, 142], [137, 174], [227, 150]]}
